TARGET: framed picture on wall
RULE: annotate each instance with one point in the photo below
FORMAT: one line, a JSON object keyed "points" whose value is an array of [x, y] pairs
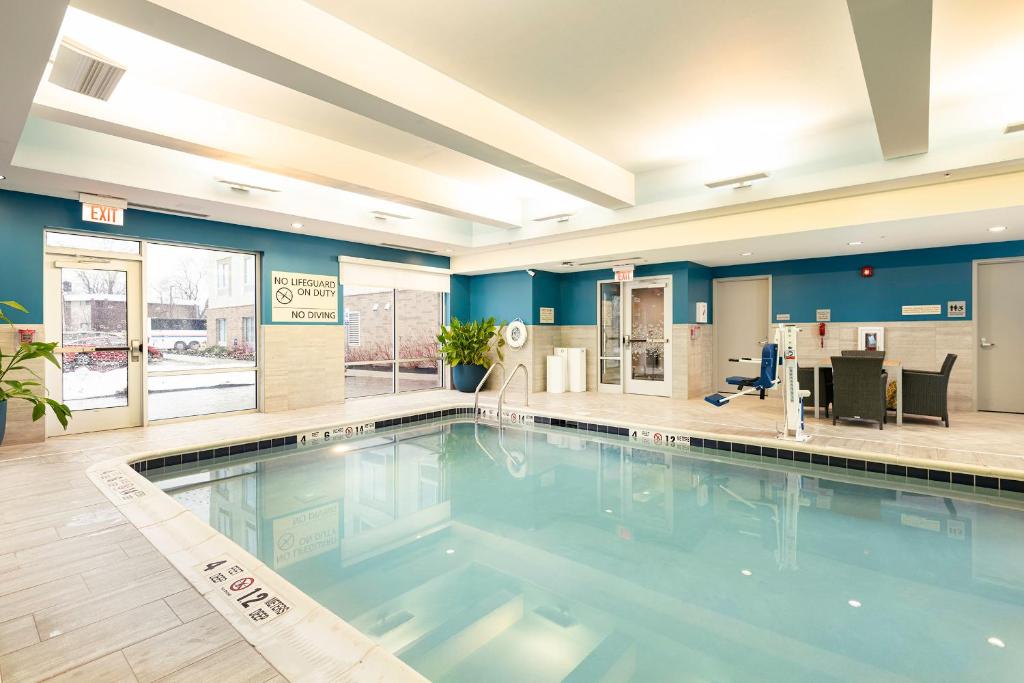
{"points": [[871, 338]]}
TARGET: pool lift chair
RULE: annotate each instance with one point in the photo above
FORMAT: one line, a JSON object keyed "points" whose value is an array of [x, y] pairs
{"points": [[793, 396]]}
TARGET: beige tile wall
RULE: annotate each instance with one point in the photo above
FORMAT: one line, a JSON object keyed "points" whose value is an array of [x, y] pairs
{"points": [[700, 357], [918, 345], [680, 360], [303, 366], [20, 427], [541, 341]]}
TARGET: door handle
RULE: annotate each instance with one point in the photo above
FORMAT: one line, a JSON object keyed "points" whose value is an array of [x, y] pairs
{"points": [[985, 343], [136, 349]]}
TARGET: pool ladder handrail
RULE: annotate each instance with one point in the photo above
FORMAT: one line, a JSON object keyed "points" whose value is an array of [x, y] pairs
{"points": [[476, 394], [526, 388]]}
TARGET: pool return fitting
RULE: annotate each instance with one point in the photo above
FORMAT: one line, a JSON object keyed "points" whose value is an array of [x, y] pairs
{"points": [[793, 396]]}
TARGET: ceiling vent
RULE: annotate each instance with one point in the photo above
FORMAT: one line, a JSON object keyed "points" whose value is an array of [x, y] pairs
{"points": [[169, 211], [560, 217], [621, 261], [384, 215], [239, 186], [1014, 128], [82, 71], [738, 182]]}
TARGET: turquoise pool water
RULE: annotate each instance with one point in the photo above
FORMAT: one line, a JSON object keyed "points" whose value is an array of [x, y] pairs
{"points": [[544, 556]]}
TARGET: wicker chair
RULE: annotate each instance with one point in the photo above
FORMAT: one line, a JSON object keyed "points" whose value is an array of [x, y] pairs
{"points": [[805, 376], [859, 386], [926, 393]]}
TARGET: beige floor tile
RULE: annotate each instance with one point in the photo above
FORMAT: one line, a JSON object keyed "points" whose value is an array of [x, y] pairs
{"points": [[8, 562], [57, 655], [17, 633], [19, 541], [62, 618], [238, 663], [79, 547], [35, 573], [110, 669], [108, 577], [189, 604], [29, 600], [171, 650]]}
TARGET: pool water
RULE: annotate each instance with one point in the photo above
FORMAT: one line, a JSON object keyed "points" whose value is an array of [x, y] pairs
{"points": [[539, 555]]}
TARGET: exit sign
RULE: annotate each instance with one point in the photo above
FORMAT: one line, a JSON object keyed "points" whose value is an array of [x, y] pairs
{"points": [[97, 213], [623, 273]]}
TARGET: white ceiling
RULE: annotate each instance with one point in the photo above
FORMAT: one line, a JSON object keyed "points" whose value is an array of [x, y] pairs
{"points": [[616, 113]]}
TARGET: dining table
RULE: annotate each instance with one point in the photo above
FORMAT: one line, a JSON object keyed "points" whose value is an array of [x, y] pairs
{"points": [[892, 366]]}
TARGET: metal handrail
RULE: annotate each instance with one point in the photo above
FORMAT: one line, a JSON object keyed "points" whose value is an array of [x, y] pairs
{"points": [[476, 394], [526, 388]]}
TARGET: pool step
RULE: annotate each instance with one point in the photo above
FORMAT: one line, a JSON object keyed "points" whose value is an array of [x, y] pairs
{"points": [[439, 650], [612, 661]]}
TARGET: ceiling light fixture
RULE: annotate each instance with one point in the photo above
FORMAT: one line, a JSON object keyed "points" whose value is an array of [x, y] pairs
{"points": [[384, 215], [997, 228], [1014, 128], [853, 603], [997, 642], [560, 217], [239, 186], [746, 253], [855, 243], [296, 225], [738, 182], [746, 572]]}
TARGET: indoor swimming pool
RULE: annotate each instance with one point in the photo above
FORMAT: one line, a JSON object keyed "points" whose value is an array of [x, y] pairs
{"points": [[547, 554]]}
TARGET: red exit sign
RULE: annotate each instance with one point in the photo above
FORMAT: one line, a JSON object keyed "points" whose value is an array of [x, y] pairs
{"points": [[97, 213]]}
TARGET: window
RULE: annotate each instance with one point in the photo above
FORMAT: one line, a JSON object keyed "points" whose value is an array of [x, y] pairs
{"points": [[352, 328], [391, 340], [249, 271], [224, 276], [204, 328], [92, 243]]}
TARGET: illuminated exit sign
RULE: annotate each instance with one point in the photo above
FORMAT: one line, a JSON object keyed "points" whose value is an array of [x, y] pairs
{"points": [[94, 213], [623, 273], [107, 210]]}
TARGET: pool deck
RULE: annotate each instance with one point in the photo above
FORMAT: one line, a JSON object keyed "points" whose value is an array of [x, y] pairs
{"points": [[84, 595]]}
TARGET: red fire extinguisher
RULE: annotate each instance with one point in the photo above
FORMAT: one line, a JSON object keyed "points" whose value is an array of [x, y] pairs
{"points": [[821, 333]]}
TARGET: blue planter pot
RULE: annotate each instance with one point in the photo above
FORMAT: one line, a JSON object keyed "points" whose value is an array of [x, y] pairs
{"points": [[3, 420], [467, 377]]}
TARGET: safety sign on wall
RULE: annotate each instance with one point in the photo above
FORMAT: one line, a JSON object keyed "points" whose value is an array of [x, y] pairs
{"points": [[303, 298]]}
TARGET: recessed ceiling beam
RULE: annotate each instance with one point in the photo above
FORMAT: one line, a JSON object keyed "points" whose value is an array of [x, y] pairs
{"points": [[894, 39], [301, 47], [27, 34]]}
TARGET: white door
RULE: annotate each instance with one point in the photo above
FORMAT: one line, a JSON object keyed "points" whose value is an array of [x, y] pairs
{"points": [[610, 336], [94, 313], [1000, 317], [647, 325], [741, 326]]}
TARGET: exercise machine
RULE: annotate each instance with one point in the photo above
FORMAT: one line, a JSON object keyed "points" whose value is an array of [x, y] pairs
{"points": [[779, 354]]}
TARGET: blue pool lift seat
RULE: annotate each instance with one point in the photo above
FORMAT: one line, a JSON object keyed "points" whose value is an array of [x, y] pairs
{"points": [[762, 383]]}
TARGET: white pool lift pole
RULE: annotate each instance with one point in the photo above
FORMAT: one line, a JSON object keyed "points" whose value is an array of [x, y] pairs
{"points": [[792, 395]]}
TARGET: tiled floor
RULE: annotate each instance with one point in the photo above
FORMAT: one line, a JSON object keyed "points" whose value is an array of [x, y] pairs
{"points": [[84, 596]]}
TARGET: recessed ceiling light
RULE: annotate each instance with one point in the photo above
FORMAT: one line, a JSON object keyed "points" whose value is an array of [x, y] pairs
{"points": [[853, 603], [997, 228], [855, 243], [746, 253], [296, 225], [998, 642]]}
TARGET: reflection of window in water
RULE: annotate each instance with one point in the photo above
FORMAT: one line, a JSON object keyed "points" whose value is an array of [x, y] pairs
{"points": [[224, 522], [373, 477], [250, 538], [249, 499], [429, 480]]}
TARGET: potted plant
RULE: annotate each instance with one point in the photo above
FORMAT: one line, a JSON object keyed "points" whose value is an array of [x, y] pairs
{"points": [[467, 347], [26, 389]]}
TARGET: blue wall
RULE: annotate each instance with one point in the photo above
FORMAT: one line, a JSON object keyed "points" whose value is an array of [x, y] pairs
{"points": [[919, 276], [506, 296], [23, 218]]}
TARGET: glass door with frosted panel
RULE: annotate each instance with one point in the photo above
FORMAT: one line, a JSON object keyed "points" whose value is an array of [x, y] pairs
{"points": [[647, 321], [610, 336], [93, 312]]}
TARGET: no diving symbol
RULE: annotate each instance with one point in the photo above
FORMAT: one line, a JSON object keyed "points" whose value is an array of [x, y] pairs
{"points": [[242, 584], [284, 295], [286, 542]]}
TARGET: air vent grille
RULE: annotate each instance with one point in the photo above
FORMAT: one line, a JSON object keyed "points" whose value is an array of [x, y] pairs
{"points": [[172, 212], [82, 71], [400, 246]]}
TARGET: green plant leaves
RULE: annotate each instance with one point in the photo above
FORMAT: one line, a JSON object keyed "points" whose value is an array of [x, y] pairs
{"points": [[471, 343], [24, 389]]}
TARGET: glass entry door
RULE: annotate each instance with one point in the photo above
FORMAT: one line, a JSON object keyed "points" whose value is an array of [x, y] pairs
{"points": [[93, 312], [647, 331]]}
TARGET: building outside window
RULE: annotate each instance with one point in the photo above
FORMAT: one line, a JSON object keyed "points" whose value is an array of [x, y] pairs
{"points": [[224, 277], [222, 332], [391, 340], [249, 272], [248, 329]]}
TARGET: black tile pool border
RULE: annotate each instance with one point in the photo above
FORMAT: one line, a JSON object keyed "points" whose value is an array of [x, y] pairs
{"points": [[938, 478]]}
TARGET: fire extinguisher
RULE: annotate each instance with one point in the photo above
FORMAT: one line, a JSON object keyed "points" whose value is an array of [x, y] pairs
{"points": [[821, 333]]}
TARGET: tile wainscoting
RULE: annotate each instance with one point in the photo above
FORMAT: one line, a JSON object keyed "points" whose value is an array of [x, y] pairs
{"points": [[919, 345], [303, 366]]}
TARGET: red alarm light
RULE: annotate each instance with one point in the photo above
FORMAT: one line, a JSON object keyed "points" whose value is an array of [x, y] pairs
{"points": [[867, 271]]}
